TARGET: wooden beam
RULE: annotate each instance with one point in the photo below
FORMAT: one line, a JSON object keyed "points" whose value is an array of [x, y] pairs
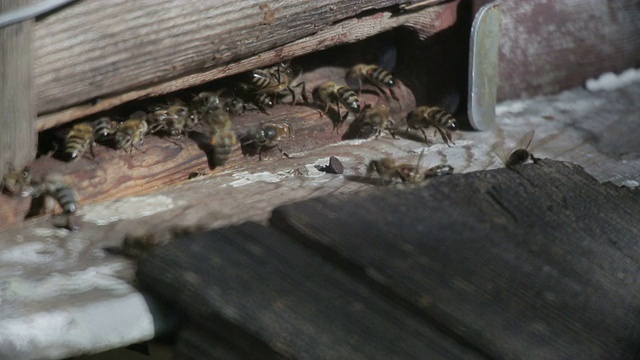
{"points": [[426, 22], [90, 50], [17, 101]]}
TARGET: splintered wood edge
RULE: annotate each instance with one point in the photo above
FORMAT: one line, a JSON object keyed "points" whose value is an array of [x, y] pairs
{"points": [[427, 21]]}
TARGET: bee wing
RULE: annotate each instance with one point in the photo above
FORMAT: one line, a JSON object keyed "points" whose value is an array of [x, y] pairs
{"points": [[499, 150], [526, 139]]}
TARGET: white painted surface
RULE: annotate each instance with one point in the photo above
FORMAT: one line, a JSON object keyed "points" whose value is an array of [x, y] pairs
{"points": [[128, 208]]}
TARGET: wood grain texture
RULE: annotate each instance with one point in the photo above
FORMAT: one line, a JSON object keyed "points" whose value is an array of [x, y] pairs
{"points": [[539, 262], [90, 50], [18, 137], [253, 279], [547, 46]]}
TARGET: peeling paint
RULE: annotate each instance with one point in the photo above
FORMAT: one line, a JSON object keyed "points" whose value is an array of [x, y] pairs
{"points": [[31, 253], [610, 81], [245, 178], [100, 277], [46, 232], [129, 208]]}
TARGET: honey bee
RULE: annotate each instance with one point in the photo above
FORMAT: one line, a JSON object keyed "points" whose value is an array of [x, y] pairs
{"points": [[104, 128], [389, 171], [138, 245], [56, 190], [520, 154], [330, 92], [425, 116], [374, 75], [271, 83], [207, 101], [15, 182], [79, 138], [222, 137], [267, 135], [172, 119], [131, 132], [375, 118]]}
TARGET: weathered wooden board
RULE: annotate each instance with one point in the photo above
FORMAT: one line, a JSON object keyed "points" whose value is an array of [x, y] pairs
{"points": [[90, 50], [18, 137], [540, 262], [256, 281], [547, 46]]}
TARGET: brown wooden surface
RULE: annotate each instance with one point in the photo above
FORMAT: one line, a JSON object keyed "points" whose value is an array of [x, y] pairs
{"points": [[252, 281], [90, 50], [539, 262], [547, 46], [18, 137]]}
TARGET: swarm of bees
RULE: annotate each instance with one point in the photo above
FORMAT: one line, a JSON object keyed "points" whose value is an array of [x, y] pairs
{"points": [[255, 90]]}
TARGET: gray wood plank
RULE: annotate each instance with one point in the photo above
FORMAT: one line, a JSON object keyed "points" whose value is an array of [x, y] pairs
{"points": [[536, 263], [254, 281]]}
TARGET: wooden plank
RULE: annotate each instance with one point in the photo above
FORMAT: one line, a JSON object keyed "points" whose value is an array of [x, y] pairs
{"points": [[18, 137], [558, 44], [90, 51], [115, 174], [536, 263], [251, 281]]}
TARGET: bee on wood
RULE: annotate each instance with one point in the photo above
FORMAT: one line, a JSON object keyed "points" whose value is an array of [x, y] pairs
{"points": [[131, 132], [104, 128], [374, 75], [271, 83], [79, 138], [138, 245], [174, 120], [267, 135], [520, 154], [56, 190], [330, 92], [207, 101], [15, 182], [389, 171], [425, 116], [374, 119], [222, 136]]}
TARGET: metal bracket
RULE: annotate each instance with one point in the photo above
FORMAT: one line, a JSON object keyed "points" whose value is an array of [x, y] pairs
{"points": [[483, 67]]}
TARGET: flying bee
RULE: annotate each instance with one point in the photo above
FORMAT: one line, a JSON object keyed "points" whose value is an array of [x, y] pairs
{"points": [[104, 128], [55, 189], [425, 116], [267, 135], [15, 182], [520, 154], [79, 138], [330, 92], [375, 119], [131, 132], [222, 136], [371, 74]]}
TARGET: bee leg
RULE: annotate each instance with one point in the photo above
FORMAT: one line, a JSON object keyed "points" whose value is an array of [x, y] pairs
{"points": [[424, 133], [444, 136], [282, 152], [393, 95]]}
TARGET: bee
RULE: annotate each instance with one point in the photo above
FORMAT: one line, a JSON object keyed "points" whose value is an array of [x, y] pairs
{"points": [[104, 128], [138, 245], [222, 136], [273, 82], [520, 154], [79, 138], [425, 116], [375, 118], [207, 101], [172, 119], [15, 182], [131, 132], [267, 135], [330, 92], [56, 190], [374, 75], [389, 171]]}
